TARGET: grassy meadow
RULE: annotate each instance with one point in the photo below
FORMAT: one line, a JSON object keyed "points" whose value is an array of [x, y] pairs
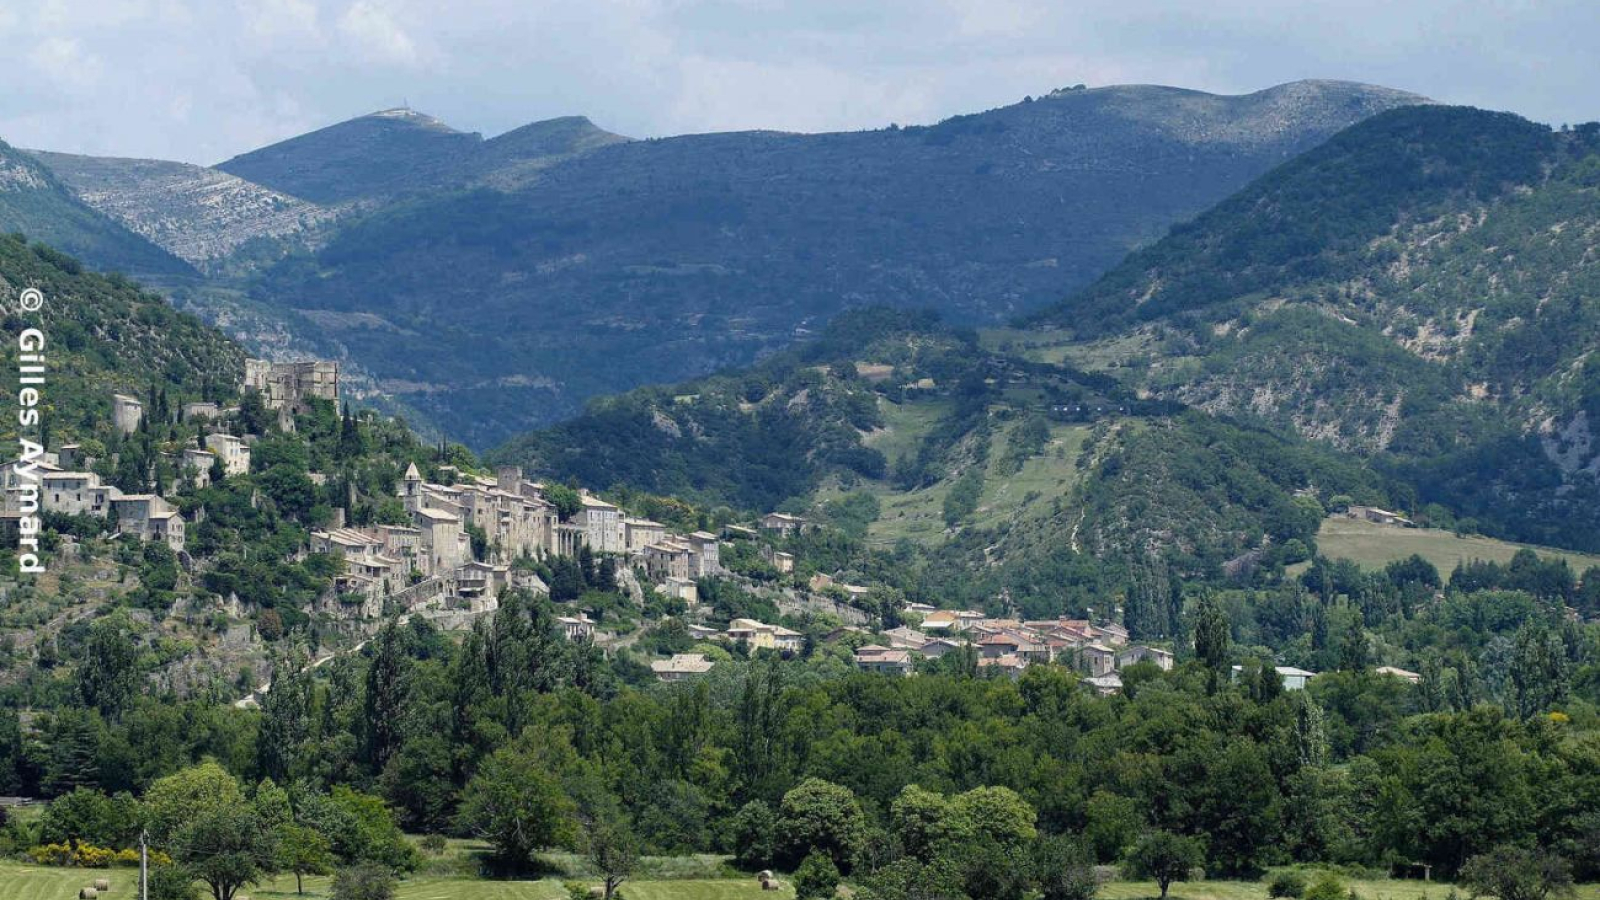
{"points": [[1372, 546], [1007, 498], [18, 882]]}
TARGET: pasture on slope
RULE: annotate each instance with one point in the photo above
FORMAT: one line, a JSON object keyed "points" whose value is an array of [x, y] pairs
{"points": [[1007, 499], [1373, 546]]}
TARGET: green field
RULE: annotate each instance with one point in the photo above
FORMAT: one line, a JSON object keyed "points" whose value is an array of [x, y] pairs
{"points": [[29, 883], [1054, 346], [1373, 546], [19, 882], [1366, 889]]}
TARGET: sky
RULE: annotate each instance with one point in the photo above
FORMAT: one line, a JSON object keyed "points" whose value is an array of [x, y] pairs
{"points": [[203, 80]]}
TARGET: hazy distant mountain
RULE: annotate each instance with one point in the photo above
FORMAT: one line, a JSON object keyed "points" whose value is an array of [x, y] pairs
{"points": [[35, 203], [400, 150], [651, 261], [198, 214]]}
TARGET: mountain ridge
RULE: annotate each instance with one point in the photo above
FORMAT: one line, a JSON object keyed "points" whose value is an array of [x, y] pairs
{"points": [[653, 261]]}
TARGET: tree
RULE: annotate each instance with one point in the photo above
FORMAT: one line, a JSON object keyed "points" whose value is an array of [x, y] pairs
{"points": [[1211, 638], [88, 816], [820, 815], [1163, 857], [1063, 868], [1112, 823], [817, 878], [1518, 873], [994, 813], [386, 696], [226, 847], [285, 720], [364, 882], [919, 819], [754, 830], [517, 804], [178, 800], [108, 677], [74, 738], [303, 851], [613, 852]]}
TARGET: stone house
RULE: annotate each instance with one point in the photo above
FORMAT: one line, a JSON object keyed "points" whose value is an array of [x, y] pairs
{"points": [[576, 628], [149, 518], [670, 558], [1139, 653], [126, 413], [638, 534], [782, 524], [883, 660], [233, 451], [602, 525]]}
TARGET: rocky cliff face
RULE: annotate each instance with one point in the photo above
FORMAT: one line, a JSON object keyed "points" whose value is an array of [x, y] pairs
{"points": [[197, 214], [34, 202]]}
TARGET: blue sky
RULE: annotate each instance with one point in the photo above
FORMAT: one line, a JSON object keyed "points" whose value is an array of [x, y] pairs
{"points": [[202, 80]]}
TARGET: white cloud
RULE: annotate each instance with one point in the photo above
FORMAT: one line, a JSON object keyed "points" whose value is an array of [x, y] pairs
{"points": [[65, 64], [373, 32]]}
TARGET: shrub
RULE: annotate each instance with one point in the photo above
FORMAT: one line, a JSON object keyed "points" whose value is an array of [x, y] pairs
{"points": [[434, 843], [1287, 884], [171, 883], [365, 882], [1328, 886], [816, 878]]}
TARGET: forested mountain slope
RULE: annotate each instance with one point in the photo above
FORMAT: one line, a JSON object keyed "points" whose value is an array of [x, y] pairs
{"points": [[106, 334], [1422, 287], [652, 261]]}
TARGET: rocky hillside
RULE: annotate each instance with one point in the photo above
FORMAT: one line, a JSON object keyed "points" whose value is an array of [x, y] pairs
{"points": [[650, 261], [34, 202], [199, 215], [1420, 288]]}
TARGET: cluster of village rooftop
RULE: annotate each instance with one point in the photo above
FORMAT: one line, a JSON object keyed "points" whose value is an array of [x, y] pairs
{"points": [[65, 484], [1006, 646]]}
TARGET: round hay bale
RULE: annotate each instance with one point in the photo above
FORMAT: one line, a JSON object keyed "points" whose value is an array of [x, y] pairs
{"points": [[102, 884], [88, 893]]}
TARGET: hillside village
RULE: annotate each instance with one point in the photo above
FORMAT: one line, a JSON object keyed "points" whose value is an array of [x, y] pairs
{"points": [[428, 568]]}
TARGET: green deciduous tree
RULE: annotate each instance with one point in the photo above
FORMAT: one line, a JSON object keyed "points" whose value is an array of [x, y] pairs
{"points": [[1164, 858], [821, 816], [226, 847], [303, 851], [517, 804], [1518, 873]]}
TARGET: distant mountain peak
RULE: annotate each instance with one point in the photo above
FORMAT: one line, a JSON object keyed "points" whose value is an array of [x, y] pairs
{"points": [[408, 115]]}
